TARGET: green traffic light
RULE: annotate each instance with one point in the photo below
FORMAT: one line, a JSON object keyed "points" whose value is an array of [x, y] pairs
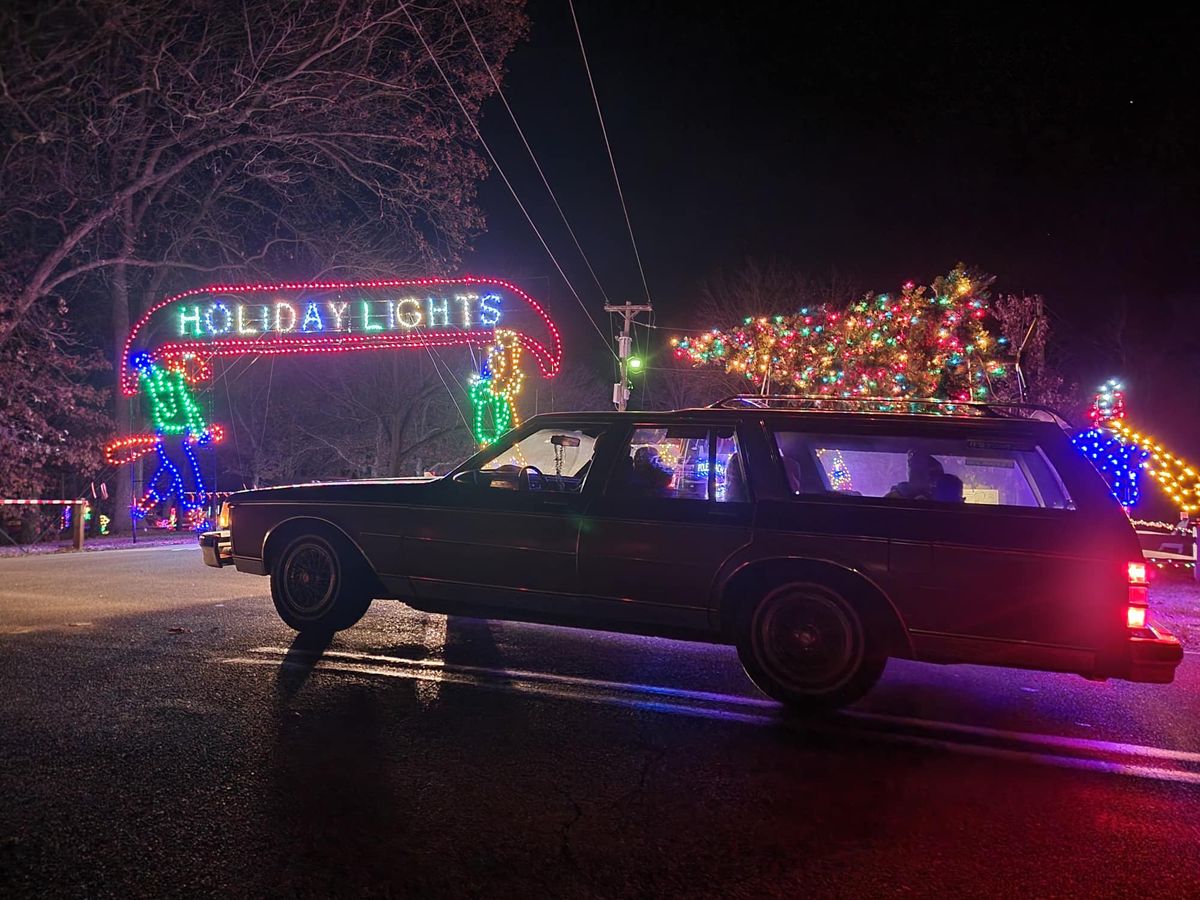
{"points": [[635, 364]]}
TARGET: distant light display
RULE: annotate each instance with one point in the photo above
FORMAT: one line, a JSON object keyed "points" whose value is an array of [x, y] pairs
{"points": [[1122, 453]]}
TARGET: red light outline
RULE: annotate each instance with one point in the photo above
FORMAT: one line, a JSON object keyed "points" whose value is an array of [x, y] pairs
{"points": [[548, 360]]}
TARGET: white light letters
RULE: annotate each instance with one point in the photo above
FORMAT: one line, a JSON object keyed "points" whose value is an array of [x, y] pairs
{"points": [[221, 318], [408, 313], [439, 312]]}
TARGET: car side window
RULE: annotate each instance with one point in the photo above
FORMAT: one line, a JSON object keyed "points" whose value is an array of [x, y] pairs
{"points": [[941, 470], [681, 462]]}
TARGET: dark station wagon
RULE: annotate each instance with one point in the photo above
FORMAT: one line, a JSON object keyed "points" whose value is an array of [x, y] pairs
{"points": [[820, 538]]}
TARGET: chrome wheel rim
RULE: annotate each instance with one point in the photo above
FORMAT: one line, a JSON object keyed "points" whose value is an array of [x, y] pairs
{"points": [[807, 640], [309, 578]]}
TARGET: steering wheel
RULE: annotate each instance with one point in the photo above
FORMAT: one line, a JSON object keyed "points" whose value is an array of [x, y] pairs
{"points": [[523, 477]]}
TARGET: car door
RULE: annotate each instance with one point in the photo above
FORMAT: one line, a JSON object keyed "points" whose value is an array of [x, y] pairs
{"points": [[676, 505], [505, 534], [983, 537]]}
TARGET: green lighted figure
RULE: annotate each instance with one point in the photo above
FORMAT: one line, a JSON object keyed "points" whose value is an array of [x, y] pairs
{"points": [[178, 425]]}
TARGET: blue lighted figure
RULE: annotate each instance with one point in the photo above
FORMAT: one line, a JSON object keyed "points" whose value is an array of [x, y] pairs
{"points": [[1119, 462], [179, 427]]}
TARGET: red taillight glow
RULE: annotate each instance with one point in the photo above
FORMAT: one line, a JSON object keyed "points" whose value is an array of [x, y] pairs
{"points": [[1138, 595]]}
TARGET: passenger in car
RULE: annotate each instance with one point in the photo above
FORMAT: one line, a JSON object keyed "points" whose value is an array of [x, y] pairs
{"points": [[735, 480], [923, 471], [948, 488], [649, 475]]}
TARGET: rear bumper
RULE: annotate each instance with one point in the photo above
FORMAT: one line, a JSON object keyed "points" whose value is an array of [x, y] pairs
{"points": [[1154, 654], [1149, 655], [216, 548]]}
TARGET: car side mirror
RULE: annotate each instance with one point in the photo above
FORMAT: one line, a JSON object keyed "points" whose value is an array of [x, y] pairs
{"points": [[470, 478]]}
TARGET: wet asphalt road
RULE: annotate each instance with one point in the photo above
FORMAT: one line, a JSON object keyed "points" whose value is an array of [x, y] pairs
{"points": [[162, 733]]}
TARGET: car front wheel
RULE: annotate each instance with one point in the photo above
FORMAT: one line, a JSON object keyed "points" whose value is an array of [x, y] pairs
{"points": [[318, 586], [809, 647]]}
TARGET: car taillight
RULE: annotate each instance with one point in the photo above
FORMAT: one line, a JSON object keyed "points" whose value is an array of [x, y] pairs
{"points": [[1139, 595]]}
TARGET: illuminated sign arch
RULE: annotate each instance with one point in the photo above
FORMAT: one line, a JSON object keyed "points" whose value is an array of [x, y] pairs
{"points": [[169, 350], [340, 316]]}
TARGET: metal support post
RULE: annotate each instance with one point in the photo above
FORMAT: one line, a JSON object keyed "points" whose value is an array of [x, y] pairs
{"points": [[624, 345], [77, 523]]}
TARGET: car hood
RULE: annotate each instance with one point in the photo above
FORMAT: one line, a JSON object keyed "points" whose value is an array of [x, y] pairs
{"points": [[372, 490]]}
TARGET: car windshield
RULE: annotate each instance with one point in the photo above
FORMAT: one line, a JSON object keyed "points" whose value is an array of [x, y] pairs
{"points": [[564, 457]]}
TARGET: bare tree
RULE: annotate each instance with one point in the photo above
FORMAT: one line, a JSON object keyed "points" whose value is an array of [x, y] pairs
{"points": [[122, 118], [375, 415], [52, 417], [1025, 323]]}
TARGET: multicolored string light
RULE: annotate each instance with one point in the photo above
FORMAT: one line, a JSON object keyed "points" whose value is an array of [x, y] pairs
{"points": [[289, 326], [839, 473], [1175, 475], [176, 417], [926, 342], [493, 392], [1119, 462], [286, 319], [1121, 453]]}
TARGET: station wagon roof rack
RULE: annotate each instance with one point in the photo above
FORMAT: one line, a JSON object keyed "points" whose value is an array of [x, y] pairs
{"points": [[907, 406]]}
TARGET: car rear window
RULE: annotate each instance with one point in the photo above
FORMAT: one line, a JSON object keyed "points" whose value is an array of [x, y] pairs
{"points": [[937, 470]]}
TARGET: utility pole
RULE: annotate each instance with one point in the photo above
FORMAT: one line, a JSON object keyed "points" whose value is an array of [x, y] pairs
{"points": [[628, 312]]}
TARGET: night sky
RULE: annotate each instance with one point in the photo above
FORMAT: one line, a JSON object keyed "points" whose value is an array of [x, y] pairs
{"points": [[1056, 149]]}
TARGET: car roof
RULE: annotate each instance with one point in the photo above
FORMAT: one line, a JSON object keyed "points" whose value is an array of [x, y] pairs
{"points": [[885, 421]]}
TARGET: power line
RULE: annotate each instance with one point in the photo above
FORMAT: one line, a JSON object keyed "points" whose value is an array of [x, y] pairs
{"points": [[453, 396], [532, 155], [267, 405], [612, 162], [500, 170]]}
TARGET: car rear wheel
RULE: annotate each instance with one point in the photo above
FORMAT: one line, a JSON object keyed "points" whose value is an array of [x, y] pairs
{"points": [[318, 585], [809, 647]]}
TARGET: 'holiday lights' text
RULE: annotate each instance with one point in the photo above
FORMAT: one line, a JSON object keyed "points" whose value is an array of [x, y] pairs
{"points": [[365, 316]]}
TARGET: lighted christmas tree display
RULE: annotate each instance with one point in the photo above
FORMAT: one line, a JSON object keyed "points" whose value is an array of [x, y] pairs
{"points": [[925, 342]]}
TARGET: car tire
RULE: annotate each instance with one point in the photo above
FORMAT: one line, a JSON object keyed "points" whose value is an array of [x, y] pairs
{"points": [[318, 584], [809, 647]]}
